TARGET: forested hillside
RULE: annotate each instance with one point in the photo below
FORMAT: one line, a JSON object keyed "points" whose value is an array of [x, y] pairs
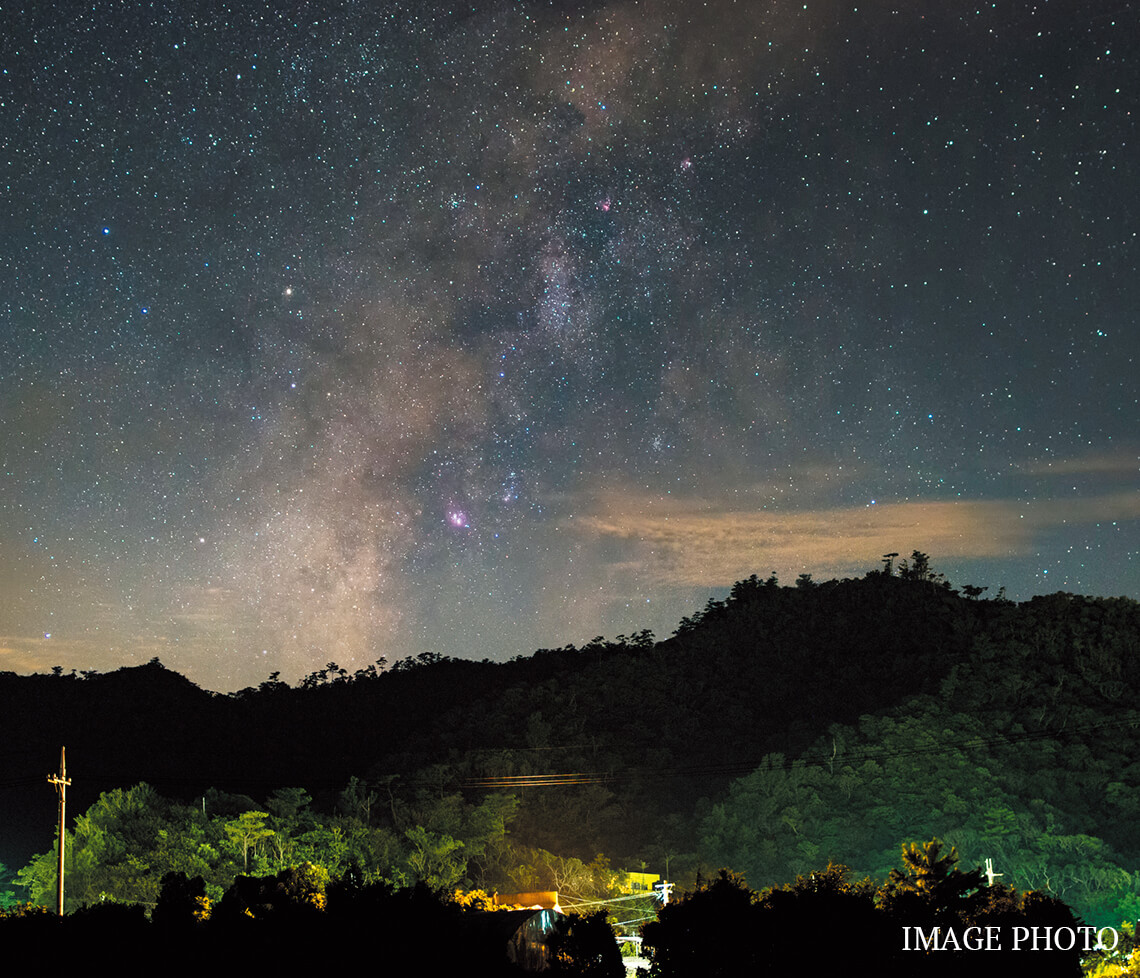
{"points": [[776, 730]]}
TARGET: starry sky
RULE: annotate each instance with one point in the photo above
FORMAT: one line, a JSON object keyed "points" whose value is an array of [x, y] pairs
{"points": [[333, 331]]}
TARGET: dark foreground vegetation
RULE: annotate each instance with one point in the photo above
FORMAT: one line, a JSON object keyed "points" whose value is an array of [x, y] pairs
{"points": [[928, 918], [295, 922], [777, 731]]}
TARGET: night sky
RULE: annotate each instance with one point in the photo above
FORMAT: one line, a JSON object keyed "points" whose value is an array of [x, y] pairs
{"points": [[332, 331]]}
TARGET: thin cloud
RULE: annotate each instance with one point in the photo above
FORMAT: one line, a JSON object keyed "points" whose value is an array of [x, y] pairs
{"points": [[692, 543], [16, 654], [1098, 463]]}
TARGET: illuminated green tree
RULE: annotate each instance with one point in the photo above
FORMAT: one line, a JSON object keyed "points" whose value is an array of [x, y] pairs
{"points": [[247, 832], [435, 860], [111, 852], [7, 895]]}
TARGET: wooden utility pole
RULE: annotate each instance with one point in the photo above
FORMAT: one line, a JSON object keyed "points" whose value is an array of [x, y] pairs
{"points": [[61, 781]]}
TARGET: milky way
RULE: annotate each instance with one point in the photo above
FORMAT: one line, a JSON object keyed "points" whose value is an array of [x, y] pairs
{"points": [[360, 330]]}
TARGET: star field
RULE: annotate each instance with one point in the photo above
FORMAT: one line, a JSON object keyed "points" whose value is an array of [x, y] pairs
{"points": [[356, 330]]}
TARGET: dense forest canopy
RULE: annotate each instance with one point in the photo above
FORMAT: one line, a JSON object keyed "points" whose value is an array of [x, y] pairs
{"points": [[777, 730]]}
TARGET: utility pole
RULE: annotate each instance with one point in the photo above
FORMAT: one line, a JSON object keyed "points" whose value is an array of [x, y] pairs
{"points": [[61, 781]]}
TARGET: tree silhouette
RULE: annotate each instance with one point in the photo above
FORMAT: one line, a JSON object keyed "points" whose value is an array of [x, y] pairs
{"points": [[584, 944], [930, 889], [710, 932], [182, 903]]}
